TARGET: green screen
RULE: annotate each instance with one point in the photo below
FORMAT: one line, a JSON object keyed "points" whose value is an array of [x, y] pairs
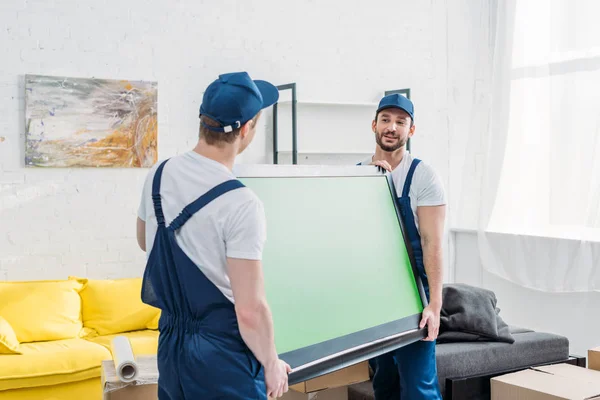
{"points": [[335, 261]]}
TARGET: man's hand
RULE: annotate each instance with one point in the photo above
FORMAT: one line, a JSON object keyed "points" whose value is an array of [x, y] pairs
{"points": [[431, 318], [383, 165], [276, 378]]}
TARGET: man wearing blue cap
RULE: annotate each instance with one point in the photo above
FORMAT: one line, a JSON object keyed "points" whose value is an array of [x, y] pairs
{"points": [[410, 372], [203, 233]]}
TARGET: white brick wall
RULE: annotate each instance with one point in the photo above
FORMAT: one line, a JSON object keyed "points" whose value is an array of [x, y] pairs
{"points": [[56, 222]]}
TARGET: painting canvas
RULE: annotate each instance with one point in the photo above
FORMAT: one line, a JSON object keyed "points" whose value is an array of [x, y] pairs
{"points": [[79, 122]]}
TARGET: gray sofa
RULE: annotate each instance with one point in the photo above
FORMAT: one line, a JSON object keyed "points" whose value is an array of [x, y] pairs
{"points": [[464, 368]]}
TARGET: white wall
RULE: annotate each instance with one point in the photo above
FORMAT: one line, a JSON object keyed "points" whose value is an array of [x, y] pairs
{"points": [[56, 222], [574, 315]]}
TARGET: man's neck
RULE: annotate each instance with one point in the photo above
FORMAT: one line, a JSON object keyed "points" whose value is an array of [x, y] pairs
{"points": [[392, 157], [224, 155]]}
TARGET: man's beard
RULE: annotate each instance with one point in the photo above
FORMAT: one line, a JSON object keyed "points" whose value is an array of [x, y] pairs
{"points": [[379, 139]]}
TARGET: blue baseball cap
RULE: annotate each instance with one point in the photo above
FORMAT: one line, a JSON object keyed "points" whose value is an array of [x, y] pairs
{"points": [[234, 98], [397, 101]]}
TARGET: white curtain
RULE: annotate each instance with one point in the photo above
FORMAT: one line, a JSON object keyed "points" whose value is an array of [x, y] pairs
{"points": [[539, 218]]}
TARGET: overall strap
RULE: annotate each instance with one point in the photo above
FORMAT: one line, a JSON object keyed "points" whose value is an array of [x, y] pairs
{"points": [[202, 201], [160, 218], [409, 177]]}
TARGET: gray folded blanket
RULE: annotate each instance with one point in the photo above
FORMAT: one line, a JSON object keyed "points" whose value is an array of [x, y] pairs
{"points": [[470, 314]]}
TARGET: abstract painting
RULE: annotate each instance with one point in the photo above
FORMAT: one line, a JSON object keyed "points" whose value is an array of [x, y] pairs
{"points": [[79, 122]]}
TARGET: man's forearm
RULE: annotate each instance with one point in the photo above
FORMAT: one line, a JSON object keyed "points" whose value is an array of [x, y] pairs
{"points": [[433, 260], [141, 233], [256, 328]]}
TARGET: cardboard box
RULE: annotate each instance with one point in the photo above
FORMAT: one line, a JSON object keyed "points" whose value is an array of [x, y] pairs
{"points": [[594, 358], [559, 381], [339, 393], [347, 376], [145, 387]]}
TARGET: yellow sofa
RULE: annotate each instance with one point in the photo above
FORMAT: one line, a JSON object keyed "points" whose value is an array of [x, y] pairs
{"points": [[55, 334]]}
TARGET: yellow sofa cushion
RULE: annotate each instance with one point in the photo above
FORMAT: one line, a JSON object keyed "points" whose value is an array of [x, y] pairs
{"points": [[8, 339], [154, 323], [52, 363], [142, 342], [112, 306], [42, 310]]}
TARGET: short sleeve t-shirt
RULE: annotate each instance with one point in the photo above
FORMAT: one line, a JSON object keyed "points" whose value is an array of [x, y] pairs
{"points": [[426, 188], [233, 225]]}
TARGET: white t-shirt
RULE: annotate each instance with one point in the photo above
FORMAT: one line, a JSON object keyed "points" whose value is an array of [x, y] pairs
{"points": [[233, 225], [426, 188]]}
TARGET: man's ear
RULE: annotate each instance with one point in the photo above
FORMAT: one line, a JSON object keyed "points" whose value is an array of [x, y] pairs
{"points": [[374, 126], [412, 130], [244, 129]]}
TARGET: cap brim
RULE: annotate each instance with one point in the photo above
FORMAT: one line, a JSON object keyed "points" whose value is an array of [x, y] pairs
{"points": [[269, 92]]}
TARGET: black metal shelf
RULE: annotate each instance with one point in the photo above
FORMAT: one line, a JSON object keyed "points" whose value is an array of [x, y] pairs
{"points": [[292, 87], [294, 103]]}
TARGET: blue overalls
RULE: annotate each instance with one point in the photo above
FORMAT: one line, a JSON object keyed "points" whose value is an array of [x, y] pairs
{"points": [[201, 354], [410, 372]]}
